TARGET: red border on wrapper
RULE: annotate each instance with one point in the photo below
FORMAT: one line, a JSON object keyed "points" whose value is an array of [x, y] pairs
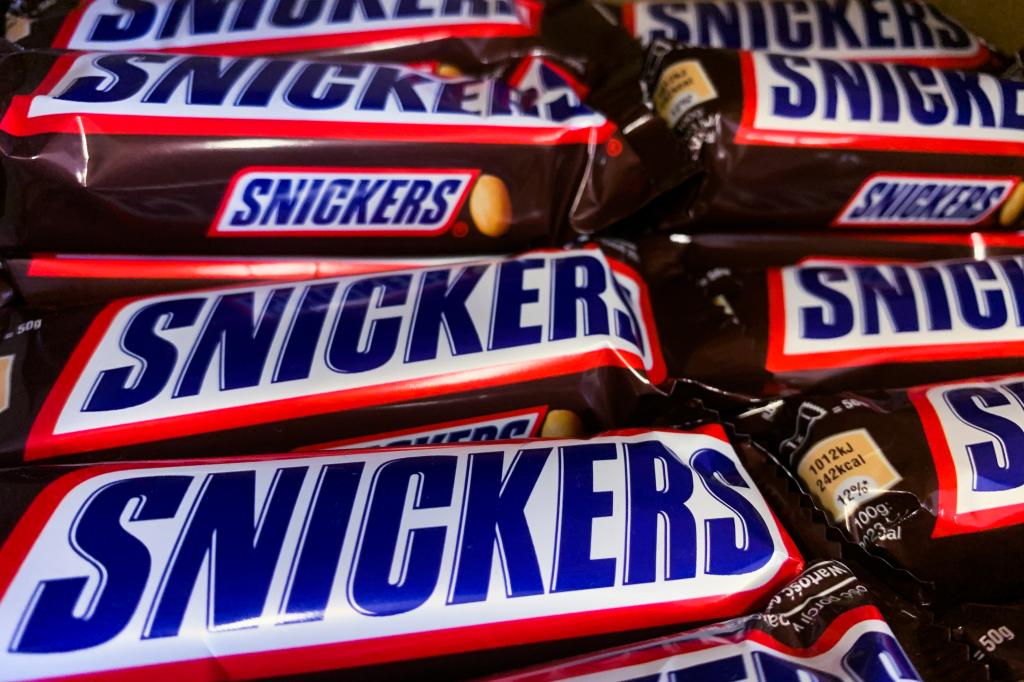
{"points": [[60, 266]]}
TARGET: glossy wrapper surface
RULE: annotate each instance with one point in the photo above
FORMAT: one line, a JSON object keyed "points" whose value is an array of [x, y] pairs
{"points": [[527, 346], [839, 315], [823, 625], [913, 476], [790, 142], [163, 153], [574, 523]]}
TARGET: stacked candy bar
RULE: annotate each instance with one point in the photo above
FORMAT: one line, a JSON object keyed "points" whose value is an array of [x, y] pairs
{"points": [[510, 339]]}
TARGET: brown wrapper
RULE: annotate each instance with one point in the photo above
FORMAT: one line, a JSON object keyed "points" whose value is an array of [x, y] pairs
{"points": [[904, 475], [794, 143], [200, 155], [994, 632], [825, 615], [446, 353], [839, 316]]}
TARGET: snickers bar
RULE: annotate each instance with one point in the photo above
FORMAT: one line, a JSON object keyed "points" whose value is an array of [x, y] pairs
{"points": [[254, 567], [828, 324], [466, 34], [164, 153], [549, 343], [930, 479], [908, 31], [791, 142], [822, 626]]}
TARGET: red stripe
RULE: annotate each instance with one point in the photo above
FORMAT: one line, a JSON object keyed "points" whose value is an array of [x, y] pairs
{"points": [[775, 355], [84, 267], [973, 239], [970, 62], [861, 357], [883, 143], [628, 11], [17, 122]]}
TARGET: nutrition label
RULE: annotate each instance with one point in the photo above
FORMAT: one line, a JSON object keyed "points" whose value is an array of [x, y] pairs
{"points": [[846, 470]]}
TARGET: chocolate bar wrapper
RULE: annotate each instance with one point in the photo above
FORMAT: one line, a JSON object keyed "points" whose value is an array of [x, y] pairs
{"points": [[548, 343], [834, 323], [907, 31], [796, 143], [907, 603], [76, 279], [993, 631], [201, 155], [468, 36], [197, 583], [925, 478], [824, 625]]}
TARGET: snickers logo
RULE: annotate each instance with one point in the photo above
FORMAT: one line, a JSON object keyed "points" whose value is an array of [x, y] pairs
{"points": [[267, 567], [411, 202], [794, 100], [278, 26], [842, 29], [153, 93], [826, 315], [163, 366], [975, 432], [909, 200]]}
